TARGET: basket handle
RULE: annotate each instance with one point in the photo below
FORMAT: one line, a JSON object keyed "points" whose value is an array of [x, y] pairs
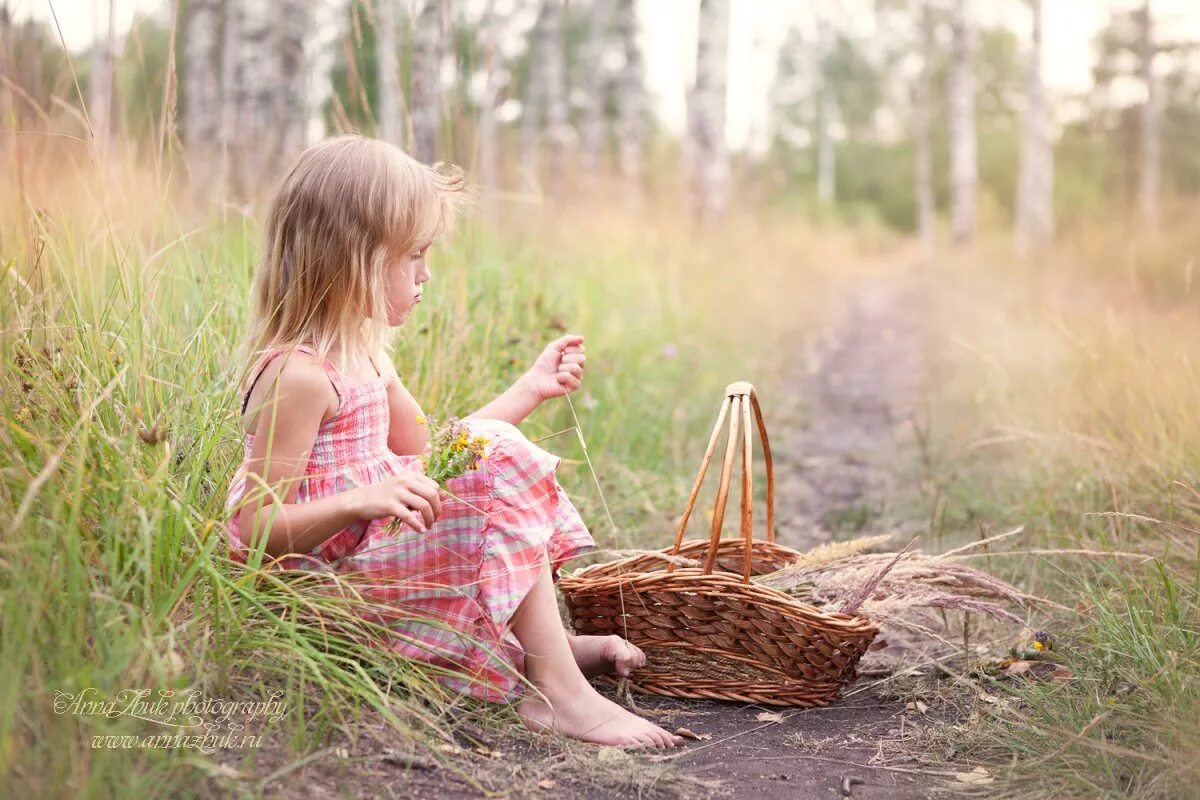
{"points": [[740, 398]]}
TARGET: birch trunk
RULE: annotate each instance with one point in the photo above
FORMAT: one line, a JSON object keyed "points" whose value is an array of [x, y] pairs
{"points": [[595, 85], [295, 29], [100, 86], [1150, 120], [329, 21], [921, 131], [629, 96], [389, 72], [258, 86], [486, 136], [202, 88], [426, 110], [1035, 187], [230, 102], [710, 159], [964, 166], [532, 107]]}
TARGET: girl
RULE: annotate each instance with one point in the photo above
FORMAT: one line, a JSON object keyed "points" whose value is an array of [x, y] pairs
{"points": [[333, 442]]}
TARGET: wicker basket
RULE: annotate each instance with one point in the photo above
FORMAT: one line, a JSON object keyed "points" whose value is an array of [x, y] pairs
{"points": [[706, 629]]}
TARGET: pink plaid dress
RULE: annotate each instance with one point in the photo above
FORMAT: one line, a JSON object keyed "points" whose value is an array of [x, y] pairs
{"points": [[449, 594]]}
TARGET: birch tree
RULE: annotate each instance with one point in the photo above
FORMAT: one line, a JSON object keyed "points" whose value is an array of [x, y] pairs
{"points": [[923, 144], [1150, 122], [545, 95], [426, 100], [630, 97], [228, 128], [388, 66], [706, 111], [291, 115], [964, 166], [100, 112], [595, 84], [202, 88], [258, 82], [533, 104], [486, 134], [1035, 185]]}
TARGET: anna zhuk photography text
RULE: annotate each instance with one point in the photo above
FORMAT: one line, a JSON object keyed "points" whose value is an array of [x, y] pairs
{"points": [[190, 719]]}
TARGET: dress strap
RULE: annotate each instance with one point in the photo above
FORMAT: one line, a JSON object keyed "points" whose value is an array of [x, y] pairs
{"points": [[335, 377]]}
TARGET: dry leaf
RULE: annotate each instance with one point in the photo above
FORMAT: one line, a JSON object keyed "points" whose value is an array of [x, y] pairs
{"points": [[1019, 667], [1062, 674], [452, 749], [769, 716], [546, 783], [977, 776], [918, 706], [987, 698], [688, 733]]}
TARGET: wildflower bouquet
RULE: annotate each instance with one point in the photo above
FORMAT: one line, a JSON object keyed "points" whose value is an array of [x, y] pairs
{"points": [[452, 450]]}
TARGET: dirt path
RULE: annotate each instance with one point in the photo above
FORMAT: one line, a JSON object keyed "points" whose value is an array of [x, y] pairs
{"points": [[843, 460]]}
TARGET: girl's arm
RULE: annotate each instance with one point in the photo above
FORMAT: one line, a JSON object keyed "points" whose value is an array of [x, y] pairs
{"points": [[288, 417], [406, 436], [557, 371]]}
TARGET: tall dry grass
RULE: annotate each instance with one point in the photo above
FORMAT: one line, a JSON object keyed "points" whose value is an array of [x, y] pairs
{"points": [[1067, 402]]}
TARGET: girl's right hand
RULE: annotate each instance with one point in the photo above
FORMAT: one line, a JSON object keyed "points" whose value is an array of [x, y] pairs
{"points": [[411, 497]]}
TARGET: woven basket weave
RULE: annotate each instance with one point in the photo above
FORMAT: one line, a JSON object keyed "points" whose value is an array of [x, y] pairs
{"points": [[706, 629]]}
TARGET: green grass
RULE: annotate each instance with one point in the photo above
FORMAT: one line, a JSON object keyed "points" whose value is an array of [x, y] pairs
{"points": [[118, 332]]}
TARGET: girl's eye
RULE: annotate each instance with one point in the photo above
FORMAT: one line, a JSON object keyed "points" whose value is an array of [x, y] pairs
{"points": [[418, 255]]}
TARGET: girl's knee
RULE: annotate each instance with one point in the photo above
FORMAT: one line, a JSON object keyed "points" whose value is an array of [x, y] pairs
{"points": [[497, 431]]}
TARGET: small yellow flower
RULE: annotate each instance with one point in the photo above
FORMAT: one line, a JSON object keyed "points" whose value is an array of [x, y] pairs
{"points": [[421, 420]]}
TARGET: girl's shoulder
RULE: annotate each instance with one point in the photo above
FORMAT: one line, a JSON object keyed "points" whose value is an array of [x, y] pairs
{"points": [[297, 378], [382, 360]]}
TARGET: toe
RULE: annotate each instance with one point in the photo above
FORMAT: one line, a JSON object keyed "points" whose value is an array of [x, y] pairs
{"points": [[638, 742], [639, 658], [657, 734], [624, 656], [671, 739]]}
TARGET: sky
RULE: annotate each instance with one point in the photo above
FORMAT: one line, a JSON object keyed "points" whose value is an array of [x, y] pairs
{"points": [[757, 31]]}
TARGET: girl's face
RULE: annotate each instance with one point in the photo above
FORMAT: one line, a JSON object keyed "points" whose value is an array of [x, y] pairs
{"points": [[405, 275]]}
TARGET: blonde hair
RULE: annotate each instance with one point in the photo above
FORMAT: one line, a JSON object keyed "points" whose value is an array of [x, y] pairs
{"points": [[345, 205]]}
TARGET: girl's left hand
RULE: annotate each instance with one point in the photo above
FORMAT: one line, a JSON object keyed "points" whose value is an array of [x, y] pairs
{"points": [[558, 370]]}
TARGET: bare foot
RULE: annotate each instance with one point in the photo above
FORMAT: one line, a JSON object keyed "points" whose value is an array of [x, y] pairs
{"points": [[605, 655], [581, 713]]}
